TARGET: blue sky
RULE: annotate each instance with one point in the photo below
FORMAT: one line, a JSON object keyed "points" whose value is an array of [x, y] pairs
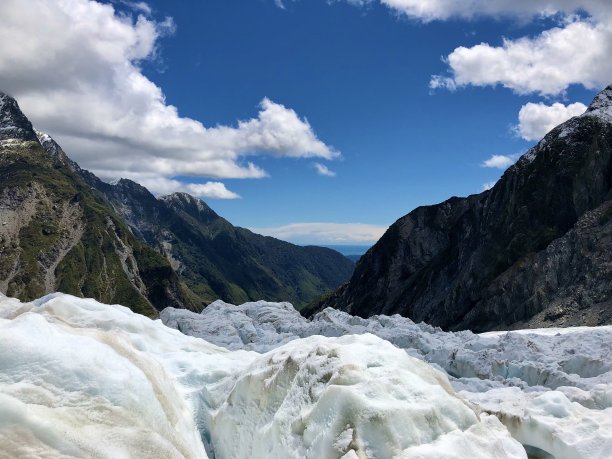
{"points": [[362, 78]]}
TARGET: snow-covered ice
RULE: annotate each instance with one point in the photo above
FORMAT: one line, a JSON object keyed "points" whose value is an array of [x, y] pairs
{"points": [[83, 379], [353, 396], [552, 388]]}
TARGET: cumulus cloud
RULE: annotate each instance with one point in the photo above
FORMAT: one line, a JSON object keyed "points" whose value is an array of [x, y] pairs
{"points": [[325, 233], [499, 161], [546, 64], [73, 65], [536, 120], [576, 52], [137, 6], [322, 169]]}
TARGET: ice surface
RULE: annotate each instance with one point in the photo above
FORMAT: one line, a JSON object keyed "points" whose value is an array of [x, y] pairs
{"points": [[83, 379], [552, 388], [354, 396]]}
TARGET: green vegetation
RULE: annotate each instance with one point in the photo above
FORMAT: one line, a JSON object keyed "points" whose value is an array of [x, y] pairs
{"points": [[93, 267], [100, 257], [236, 265]]}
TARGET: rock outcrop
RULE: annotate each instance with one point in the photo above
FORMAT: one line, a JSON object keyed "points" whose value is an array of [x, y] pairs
{"points": [[534, 251]]}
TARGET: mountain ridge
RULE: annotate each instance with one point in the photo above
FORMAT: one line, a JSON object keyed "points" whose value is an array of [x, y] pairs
{"points": [[233, 262], [57, 234], [468, 262], [70, 204]]}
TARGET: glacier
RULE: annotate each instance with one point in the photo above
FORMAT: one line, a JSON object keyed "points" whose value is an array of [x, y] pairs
{"points": [[83, 379], [551, 388]]}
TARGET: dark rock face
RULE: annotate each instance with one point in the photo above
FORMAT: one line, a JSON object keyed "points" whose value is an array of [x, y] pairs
{"points": [[13, 123], [535, 250]]}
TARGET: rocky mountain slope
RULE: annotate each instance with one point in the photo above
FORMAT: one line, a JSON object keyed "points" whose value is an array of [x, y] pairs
{"points": [[218, 260], [61, 228], [534, 251], [57, 234]]}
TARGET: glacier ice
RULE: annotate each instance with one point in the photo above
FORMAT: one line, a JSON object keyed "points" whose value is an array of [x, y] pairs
{"points": [[83, 379], [356, 396], [552, 388]]}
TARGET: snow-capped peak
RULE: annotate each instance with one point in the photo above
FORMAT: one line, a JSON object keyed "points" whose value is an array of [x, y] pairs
{"points": [[602, 105], [185, 199], [3, 99], [13, 123], [47, 143]]}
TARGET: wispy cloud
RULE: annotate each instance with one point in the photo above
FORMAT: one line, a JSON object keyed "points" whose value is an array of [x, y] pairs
{"points": [[141, 7], [322, 169], [487, 186], [435, 10], [325, 233]]}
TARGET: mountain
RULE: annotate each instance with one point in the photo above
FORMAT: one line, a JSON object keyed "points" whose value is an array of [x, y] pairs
{"points": [[220, 261], [534, 251], [63, 229], [58, 234]]}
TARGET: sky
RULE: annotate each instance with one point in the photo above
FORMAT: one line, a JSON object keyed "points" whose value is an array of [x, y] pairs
{"points": [[315, 121]]}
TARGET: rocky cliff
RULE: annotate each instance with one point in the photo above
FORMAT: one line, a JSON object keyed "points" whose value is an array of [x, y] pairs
{"points": [[535, 250], [57, 234]]}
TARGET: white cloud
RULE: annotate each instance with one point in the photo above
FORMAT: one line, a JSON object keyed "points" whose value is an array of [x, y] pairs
{"points": [[73, 65], [430, 10], [546, 64], [163, 186], [488, 185], [325, 233], [577, 52], [137, 6], [499, 161], [322, 169], [536, 120]]}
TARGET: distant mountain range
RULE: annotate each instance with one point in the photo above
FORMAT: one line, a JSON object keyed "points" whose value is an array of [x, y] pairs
{"points": [[63, 229], [534, 251], [352, 252]]}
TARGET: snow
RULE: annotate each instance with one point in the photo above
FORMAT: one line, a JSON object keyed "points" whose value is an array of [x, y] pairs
{"points": [[602, 106], [47, 143], [83, 379], [353, 396], [549, 387]]}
